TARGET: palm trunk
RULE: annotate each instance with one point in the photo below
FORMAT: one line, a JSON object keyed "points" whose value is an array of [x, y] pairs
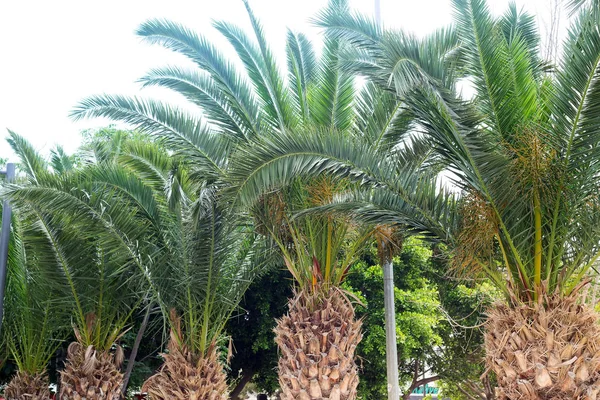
{"points": [[91, 375], [391, 346], [25, 386], [134, 351], [550, 350], [317, 340], [186, 376]]}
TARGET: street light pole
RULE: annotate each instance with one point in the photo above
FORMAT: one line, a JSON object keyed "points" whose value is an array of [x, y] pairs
{"points": [[5, 238]]}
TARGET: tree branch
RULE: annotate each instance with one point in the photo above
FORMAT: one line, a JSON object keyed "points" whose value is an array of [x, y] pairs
{"points": [[134, 351], [247, 376]]}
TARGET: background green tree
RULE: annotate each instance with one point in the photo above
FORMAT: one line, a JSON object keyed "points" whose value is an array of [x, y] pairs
{"points": [[255, 352], [433, 316]]}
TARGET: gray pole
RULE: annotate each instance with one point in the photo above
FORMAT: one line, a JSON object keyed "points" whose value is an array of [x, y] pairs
{"points": [[391, 349], [4, 239]]}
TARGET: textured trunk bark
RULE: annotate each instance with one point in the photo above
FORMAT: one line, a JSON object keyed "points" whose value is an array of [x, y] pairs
{"points": [[28, 386], [317, 340], [91, 374], [547, 350], [134, 351], [185, 375]]}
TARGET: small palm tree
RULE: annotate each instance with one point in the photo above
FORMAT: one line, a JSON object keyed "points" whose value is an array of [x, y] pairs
{"points": [[522, 155], [34, 325], [320, 326], [87, 243], [204, 260]]}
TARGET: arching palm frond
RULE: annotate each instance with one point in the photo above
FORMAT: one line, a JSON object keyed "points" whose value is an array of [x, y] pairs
{"points": [[301, 70], [262, 69], [31, 162], [382, 118], [232, 85], [201, 89], [186, 134]]}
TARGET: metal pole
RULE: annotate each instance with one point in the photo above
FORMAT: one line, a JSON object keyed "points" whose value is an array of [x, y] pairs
{"points": [[4, 239], [391, 349], [378, 12]]}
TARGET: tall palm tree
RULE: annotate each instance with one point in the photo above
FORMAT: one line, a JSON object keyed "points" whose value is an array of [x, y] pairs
{"points": [[260, 102], [521, 156]]}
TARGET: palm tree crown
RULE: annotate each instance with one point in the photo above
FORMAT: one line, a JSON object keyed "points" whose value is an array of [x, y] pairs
{"points": [[522, 152]]}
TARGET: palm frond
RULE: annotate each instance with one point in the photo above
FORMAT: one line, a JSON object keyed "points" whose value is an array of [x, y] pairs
{"points": [[502, 70], [301, 68], [187, 134], [60, 161], [31, 162], [201, 90], [267, 84], [232, 85]]}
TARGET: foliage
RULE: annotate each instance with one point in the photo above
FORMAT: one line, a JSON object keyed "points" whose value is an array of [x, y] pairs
{"points": [[33, 325], [521, 153], [428, 309], [460, 361], [78, 239], [251, 330]]}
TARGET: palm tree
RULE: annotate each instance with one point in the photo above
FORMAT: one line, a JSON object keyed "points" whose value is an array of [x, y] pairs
{"points": [[191, 258], [318, 336], [260, 102], [33, 321], [205, 259], [521, 156], [87, 238]]}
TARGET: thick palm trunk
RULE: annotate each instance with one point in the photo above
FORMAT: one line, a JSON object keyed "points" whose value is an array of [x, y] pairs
{"points": [[24, 386], [317, 340], [185, 376], [546, 351], [91, 375]]}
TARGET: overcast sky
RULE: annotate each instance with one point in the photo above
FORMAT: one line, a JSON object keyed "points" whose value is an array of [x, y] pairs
{"points": [[54, 53]]}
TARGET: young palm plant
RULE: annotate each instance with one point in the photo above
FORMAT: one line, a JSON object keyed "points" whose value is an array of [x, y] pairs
{"points": [[522, 156], [319, 334], [34, 325]]}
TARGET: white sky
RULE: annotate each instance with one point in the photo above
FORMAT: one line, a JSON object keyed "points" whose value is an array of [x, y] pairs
{"points": [[53, 53]]}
